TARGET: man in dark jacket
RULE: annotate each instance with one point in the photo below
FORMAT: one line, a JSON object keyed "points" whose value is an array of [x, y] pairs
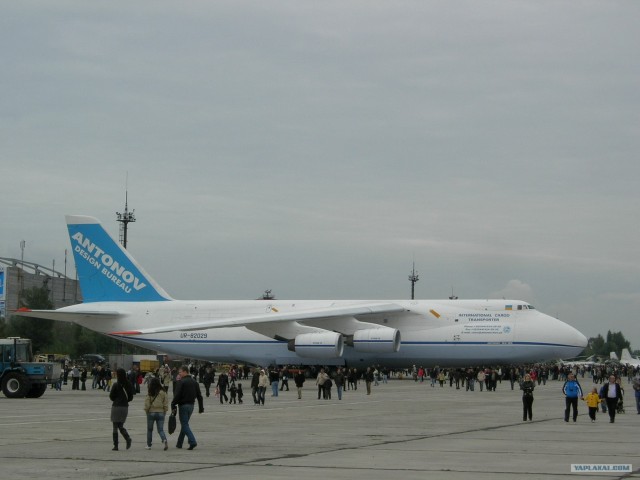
{"points": [[612, 394], [368, 379], [187, 392], [254, 385], [285, 378], [299, 379], [223, 383], [339, 379], [207, 378], [274, 379]]}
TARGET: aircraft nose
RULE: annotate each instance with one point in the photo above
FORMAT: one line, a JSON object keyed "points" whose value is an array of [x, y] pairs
{"points": [[571, 339], [581, 340]]}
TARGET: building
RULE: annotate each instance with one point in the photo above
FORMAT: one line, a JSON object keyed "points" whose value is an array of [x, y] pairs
{"points": [[16, 276]]}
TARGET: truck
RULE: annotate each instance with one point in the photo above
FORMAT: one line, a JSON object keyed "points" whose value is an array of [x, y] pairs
{"points": [[20, 375], [147, 365], [144, 363]]}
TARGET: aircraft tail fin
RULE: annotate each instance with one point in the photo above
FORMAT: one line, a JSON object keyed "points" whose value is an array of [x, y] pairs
{"points": [[613, 356], [107, 272], [626, 355]]}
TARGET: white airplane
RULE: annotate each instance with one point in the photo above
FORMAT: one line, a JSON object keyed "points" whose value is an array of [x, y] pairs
{"points": [[577, 362], [122, 301], [627, 359]]}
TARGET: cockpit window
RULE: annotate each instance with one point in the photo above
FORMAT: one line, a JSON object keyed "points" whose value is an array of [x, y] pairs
{"points": [[526, 307]]}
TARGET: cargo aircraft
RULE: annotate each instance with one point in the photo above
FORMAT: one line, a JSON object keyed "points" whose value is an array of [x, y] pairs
{"points": [[122, 301]]}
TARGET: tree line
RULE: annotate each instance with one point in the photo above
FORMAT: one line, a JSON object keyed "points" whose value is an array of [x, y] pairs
{"points": [[601, 347]]}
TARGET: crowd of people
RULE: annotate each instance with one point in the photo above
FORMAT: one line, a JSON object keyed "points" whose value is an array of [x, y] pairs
{"points": [[227, 387]]}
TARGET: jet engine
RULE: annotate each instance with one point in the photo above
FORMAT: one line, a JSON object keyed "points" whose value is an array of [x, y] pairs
{"points": [[318, 345], [376, 340]]}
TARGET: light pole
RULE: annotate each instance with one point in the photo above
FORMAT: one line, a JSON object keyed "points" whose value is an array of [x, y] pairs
{"points": [[21, 292]]}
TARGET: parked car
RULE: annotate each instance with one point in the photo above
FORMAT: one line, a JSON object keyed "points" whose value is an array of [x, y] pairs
{"points": [[93, 358]]}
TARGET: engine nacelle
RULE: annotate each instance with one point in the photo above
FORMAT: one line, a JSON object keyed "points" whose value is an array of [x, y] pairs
{"points": [[318, 345], [376, 340]]}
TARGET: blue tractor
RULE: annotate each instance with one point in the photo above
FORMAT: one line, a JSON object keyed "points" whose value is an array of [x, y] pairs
{"points": [[20, 376]]}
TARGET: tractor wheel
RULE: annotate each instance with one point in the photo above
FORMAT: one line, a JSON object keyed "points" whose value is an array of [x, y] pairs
{"points": [[15, 385], [37, 390]]}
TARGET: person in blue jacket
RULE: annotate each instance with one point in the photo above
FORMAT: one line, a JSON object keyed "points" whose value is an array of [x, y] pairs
{"points": [[572, 391]]}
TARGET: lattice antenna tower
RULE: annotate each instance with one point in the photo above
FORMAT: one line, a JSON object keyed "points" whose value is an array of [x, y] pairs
{"points": [[413, 278], [125, 218]]}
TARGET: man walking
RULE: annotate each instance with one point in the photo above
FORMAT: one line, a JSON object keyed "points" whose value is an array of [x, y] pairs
{"points": [[612, 394], [572, 391], [255, 385], [299, 379], [320, 380], [207, 378], [285, 378], [274, 379], [223, 383], [339, 381], [187, 392]]}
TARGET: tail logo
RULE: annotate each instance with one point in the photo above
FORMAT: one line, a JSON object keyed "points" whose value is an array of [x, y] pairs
{"points": [[105, 264]]}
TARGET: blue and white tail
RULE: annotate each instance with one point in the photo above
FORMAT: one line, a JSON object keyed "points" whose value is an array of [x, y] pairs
{"points": [[106, 270]]}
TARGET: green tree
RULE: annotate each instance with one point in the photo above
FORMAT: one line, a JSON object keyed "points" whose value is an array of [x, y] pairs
{"points": [[75, 340], [595, 345], [614, 342], [67, 338], [38, 330]]}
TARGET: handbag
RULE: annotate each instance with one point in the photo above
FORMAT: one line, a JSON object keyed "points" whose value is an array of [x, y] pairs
{"points": [[172, 423]]}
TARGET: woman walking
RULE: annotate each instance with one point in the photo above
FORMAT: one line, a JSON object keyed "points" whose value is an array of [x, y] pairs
{"points": [[527, 387], [121, 394], [156, 405]]}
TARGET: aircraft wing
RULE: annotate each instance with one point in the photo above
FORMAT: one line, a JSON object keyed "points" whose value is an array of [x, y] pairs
{"points": [[274, 318]]}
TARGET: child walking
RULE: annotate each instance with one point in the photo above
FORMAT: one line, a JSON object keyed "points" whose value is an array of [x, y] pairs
{"points": [[240, 393], [593, 400], [233, 392]]}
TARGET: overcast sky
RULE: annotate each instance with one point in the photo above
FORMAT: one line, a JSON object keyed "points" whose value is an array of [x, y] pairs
{"points": [[319, 148]]}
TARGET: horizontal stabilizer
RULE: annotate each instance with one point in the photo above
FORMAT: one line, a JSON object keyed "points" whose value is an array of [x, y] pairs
{"points": [[63, 316]]}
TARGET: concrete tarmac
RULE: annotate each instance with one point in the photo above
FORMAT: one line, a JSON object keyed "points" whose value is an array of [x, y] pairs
{"points": [[403, 430]]}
